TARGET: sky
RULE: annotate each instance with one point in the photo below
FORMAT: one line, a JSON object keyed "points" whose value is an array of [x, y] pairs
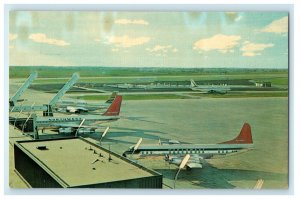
{"points": [[149, 39]]}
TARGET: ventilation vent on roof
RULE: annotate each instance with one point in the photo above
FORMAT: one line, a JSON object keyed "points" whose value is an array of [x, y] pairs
{"points": [[42, 147]]}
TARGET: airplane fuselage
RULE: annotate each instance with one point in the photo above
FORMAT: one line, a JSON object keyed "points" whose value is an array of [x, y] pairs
{"points": [[204, 150], [56, 122], [79, 107], [209, 89]]}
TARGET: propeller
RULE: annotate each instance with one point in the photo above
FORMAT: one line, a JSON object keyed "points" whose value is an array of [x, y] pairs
{"points": [[137, 145], [103, 134]]}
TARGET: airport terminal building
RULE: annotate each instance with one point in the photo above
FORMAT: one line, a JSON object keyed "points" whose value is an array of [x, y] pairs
{"points": [[78, 163]]}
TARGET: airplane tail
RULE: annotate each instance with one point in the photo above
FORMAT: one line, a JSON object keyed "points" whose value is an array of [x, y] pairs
{"points": [[245, 136], [111, 98], [114, 108], [193, 83]]}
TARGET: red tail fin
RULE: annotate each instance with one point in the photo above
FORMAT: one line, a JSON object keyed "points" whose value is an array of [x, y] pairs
{"points": [[114, 108], [245, 136]]}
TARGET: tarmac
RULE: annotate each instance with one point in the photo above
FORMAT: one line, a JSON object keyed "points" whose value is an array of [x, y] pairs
{"points": [[199, 121]]}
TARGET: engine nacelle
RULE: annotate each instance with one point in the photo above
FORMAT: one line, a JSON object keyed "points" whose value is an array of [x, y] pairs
{"points": [[70, 130], [86, 130], [71, 109], [65, 130]]}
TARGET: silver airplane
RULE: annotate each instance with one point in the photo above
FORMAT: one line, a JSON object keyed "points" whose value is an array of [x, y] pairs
{"points": [[72, 106], [81, 123], [221, 89], [175, 152]]}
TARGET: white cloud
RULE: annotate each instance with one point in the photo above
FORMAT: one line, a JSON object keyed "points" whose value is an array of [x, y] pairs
{"points": [[12, 37], [158, 48], [221, 43], [42, 38], [161, 50], [250, 54], [127, 42], [279, 26], [253, 49], [131, 21]]}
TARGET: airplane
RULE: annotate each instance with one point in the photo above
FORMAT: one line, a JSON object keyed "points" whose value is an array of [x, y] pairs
{"points": [[82, 123], [174, 152], [71, 106], [221, 89]]}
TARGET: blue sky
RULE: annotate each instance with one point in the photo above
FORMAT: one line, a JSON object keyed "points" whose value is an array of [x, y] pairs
{"points": [[149, 39]]}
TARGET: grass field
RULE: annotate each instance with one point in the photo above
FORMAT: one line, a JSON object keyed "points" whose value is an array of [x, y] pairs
{"points": [[87, 71], [108, 75]]}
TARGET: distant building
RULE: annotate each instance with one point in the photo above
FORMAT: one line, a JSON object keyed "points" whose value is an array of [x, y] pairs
{"points": [[78, 163]]}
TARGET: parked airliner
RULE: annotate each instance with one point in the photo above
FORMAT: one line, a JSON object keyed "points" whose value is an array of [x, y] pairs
{"points": [[72, 106], [81, 123], [221, 89], [175, 152]]}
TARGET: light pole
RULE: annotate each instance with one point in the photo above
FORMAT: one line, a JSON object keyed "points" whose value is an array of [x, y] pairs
{"points": [[182, 164]]}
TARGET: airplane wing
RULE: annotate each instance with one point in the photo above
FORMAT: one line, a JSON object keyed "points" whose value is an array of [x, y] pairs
{"points": [[194, 165], [72, 128], [195, 161]]}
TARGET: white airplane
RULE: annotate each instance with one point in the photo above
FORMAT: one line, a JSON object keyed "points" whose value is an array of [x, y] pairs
{"points": [[81, 123], [174, 152], [72, 106], [221, 89]]}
